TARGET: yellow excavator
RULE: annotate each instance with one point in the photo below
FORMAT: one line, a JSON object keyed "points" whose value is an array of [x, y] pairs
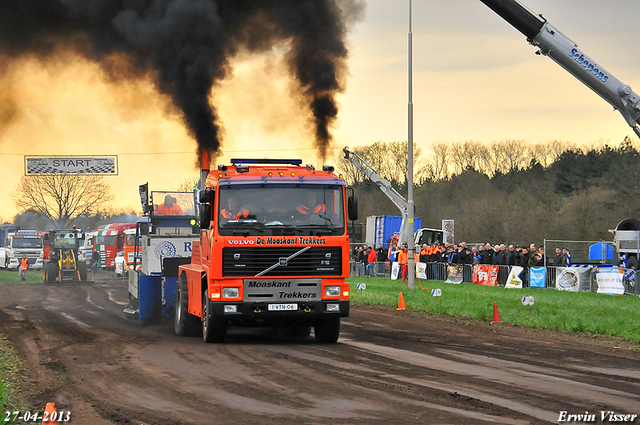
{"points": [[63, 263]]}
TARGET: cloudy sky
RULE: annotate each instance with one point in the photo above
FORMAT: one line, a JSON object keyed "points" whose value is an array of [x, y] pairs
{"points": [[475, 78]]}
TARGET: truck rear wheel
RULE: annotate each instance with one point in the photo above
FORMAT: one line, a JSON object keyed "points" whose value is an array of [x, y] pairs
{"points": [[185, 323], [214, 329], [328, 330], [82, 268], [50, 272]]}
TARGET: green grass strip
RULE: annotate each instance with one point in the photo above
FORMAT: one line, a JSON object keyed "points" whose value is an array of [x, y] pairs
{"points": [[9, 388], [12, 277], [593, 313]]}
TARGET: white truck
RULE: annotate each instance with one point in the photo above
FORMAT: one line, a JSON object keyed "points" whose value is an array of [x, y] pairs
{"points": [[626, 237], [86, 250], [19, 243]]}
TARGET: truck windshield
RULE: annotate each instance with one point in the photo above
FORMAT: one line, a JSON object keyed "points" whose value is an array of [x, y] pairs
{"points": [[105, 240], [281, 209], [173, 203], [130, 240], [34, 242], [66, 240]]}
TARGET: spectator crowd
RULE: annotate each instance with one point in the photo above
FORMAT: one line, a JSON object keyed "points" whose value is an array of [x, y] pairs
{"points": [[367, 261]]}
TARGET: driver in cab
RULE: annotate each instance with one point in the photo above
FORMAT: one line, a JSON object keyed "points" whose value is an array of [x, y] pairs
{"points": [[169, 207], [311, 206], [233, 211]]}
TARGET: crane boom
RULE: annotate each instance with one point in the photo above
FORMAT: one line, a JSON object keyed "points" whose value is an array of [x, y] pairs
{"points": [[385, 186], [565, 53]]}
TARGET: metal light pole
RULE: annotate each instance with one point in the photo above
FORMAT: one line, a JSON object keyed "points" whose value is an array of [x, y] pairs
{"points": [[411, 265]]}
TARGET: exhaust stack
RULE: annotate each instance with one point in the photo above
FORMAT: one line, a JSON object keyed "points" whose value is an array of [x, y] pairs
{"points": [[205, 164]]}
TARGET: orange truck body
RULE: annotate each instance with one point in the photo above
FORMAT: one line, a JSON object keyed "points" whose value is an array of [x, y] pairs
{"points": [[277, 266]]}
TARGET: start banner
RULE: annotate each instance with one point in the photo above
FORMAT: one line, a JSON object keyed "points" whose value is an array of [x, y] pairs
{"points": [[485, 274], [72, 164]]}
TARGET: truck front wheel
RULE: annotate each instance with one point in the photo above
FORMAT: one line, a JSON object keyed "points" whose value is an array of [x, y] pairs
{"points": [[632, 263], [185, 323], [328, 330], [82, 269], [214, 329], [50, 272]]}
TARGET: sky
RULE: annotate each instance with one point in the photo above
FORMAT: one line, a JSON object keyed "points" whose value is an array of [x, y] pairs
{"points": [[474, 78]]}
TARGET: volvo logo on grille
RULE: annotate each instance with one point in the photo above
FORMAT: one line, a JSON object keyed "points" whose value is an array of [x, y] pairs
{"points": [[236, 256], [327, 256], [282, 261]]}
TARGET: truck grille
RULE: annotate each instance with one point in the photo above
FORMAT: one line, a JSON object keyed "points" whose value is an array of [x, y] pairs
{"points": [[253, 261]]}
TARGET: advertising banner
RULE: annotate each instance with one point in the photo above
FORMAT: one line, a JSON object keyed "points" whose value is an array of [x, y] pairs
{"points": [[573, 279], [158, 248], [421, 270], [609, 280], [514, 281], [537, 276], [395, 270], [454, 274], [485, 275]]}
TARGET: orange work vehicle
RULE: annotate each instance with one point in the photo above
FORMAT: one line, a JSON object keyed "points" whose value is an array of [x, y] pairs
{"points": [[261, 258]]}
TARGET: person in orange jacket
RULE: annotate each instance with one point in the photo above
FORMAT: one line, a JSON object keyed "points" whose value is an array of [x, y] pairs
{"points": [[170, 207], [233, 212], [24, 265], [403, 260], [311, 206]]}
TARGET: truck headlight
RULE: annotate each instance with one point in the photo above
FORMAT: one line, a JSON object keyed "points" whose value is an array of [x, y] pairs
{"points": [[332, 291], [230, 309], [230, 292], [333, 308]]}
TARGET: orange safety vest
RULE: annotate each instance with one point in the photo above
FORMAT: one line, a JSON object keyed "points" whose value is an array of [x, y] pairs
{"points": [[175, 209], [303, 209], [242, 214], [24, 264], [403, 257]]}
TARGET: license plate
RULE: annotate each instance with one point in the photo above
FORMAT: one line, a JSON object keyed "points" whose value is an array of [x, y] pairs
{"points": [[282, 307]]}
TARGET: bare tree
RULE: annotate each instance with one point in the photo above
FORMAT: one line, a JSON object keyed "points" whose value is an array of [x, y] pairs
{"points": [[546, 153], [439, 164], [390, 160], [188, 184], [62, 197], [467, 154]]}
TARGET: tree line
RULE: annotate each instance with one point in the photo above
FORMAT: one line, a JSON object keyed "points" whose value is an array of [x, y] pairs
{"points": [[508, 191]]}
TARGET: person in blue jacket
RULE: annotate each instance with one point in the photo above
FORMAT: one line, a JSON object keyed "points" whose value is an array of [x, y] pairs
{"points": [[566, 254]]}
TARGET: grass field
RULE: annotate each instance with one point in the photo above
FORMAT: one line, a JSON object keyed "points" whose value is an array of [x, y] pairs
{"points": [[9, 388], [556, 310], [12, 276]]}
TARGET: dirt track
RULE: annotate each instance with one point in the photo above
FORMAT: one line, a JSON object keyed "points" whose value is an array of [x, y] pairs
{"points": [[87, 356]]}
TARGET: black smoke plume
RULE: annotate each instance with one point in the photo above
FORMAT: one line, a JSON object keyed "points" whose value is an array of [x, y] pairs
{"points": [[186, 45]]}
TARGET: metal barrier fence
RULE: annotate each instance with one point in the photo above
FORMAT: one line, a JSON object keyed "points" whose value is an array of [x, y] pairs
{"points": [[439, 271]]}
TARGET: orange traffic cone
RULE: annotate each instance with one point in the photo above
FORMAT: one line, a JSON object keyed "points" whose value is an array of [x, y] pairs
{"points": [[49, 414], [496, 314], [401, 303]]}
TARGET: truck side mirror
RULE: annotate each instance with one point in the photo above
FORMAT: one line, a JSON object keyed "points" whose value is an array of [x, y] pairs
{"points": [[144, 228], [206, 199], [206, 196], [352, 207], [205, 216]]}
